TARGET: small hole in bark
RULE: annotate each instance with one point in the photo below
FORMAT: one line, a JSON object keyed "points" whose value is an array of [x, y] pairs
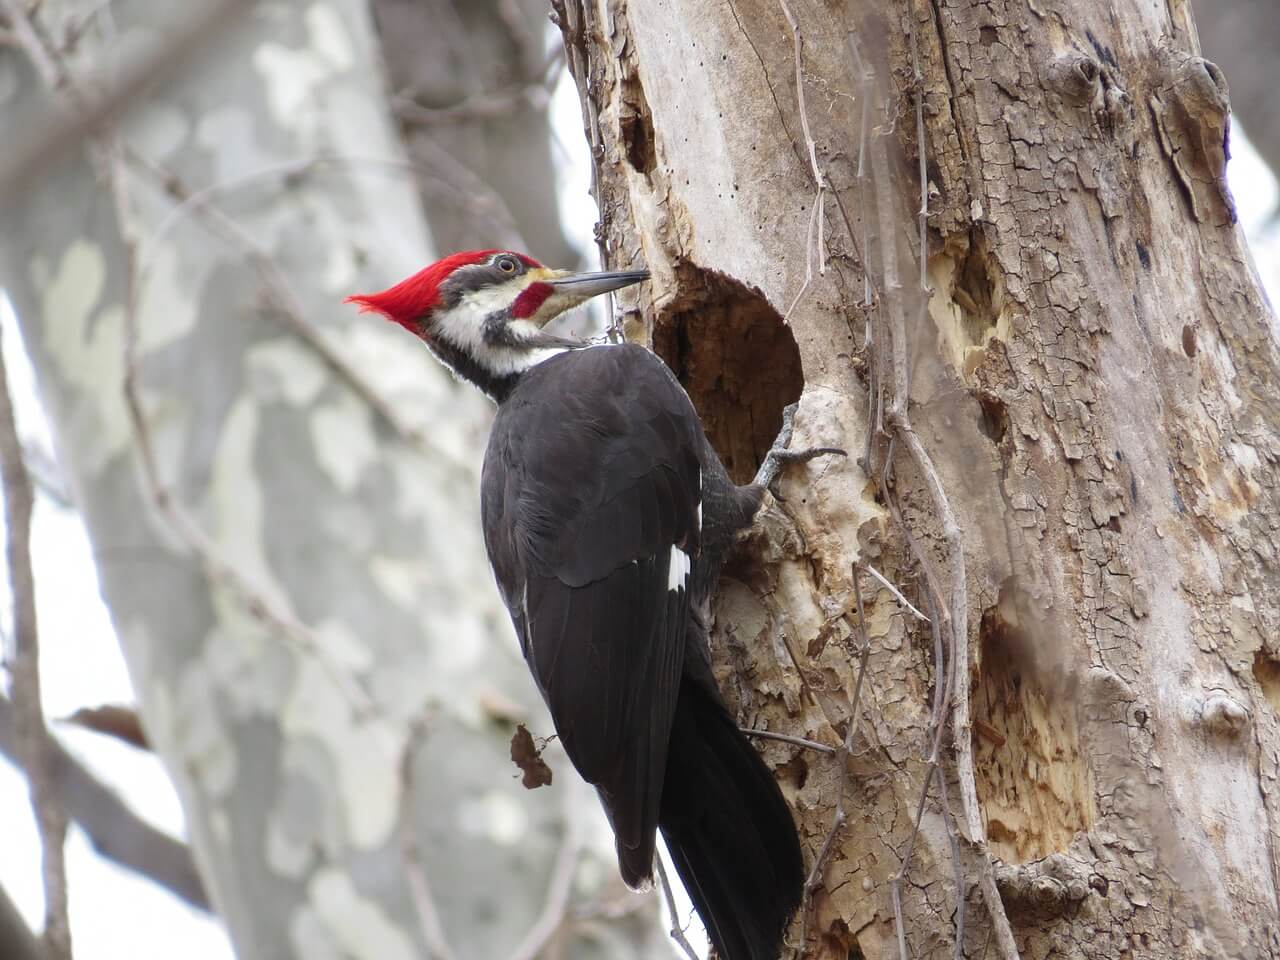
{"points": [[795, 772], [988, 35], [636, 125], [1114, 524], [995, 417], [1032, 779], [739, 362], [1189, 341], [1266, 670], [1144, 255]]}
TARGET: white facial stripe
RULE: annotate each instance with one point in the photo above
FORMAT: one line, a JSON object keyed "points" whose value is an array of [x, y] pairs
{"points": [[677, 569], [463, 326]]}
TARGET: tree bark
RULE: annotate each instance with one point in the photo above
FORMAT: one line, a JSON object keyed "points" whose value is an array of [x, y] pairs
{"points": [[471, 82], [1241, 37], [282, 498], [1066, 458]]}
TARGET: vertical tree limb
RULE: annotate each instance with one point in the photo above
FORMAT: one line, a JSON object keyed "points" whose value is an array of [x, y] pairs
{"points": [[51, 819]]}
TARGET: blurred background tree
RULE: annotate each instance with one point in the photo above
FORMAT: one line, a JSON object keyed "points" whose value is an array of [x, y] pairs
{"points": [[280, 496]]}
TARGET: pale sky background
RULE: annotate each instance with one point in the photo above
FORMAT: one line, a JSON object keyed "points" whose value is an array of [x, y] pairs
{"points": [[115, 914]]}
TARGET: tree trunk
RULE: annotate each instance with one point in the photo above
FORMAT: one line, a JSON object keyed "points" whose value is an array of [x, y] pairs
{"points": [[283, 501], [1068, 460]]}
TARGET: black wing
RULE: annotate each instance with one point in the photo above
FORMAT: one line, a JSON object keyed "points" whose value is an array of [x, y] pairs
{"points": [[590, 497]]}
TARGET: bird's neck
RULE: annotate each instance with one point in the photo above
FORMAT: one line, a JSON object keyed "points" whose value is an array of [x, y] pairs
{"points": [[496, 386]]}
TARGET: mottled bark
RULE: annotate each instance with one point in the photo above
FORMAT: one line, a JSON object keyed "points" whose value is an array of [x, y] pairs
{"points": [[303, 602], [1093, 381], [471, 82], [1242, 37]]}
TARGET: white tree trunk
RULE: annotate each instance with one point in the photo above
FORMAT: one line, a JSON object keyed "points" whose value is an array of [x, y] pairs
{"points": [[1094, 381], [342, 626]]}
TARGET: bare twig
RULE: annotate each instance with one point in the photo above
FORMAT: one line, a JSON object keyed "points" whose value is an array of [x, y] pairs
{"points": [[556, 908], [32, 735], [896, 592], [28, 156], [287, 301], [838, 818], [424, 903], [937, 725], [573, 16], [949, 605], [534, 94], [677, 931], [217, 568], [116, 832], [787, 738], [815, 242]]}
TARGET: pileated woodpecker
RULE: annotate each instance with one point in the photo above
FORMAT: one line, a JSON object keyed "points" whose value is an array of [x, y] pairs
{"points": [[607, 515]]}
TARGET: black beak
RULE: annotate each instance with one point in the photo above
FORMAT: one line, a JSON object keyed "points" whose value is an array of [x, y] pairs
{"points": [[585, 285]]}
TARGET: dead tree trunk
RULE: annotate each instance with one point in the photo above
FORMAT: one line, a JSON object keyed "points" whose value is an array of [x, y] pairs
{"points": [[1066, 459]]}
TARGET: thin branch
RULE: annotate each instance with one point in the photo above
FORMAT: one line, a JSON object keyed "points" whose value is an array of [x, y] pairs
{"points": [[787, 738], [424, 903], [814, 880], [32, 735], [937, 725], [950, 605], [814, 245], [116, 832], [556, 908], [287, 301], [27, 157], [677, 931], [896, 592]]}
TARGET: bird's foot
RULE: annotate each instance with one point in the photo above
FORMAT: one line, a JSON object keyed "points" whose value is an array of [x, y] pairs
{"points": [[781, 455]]}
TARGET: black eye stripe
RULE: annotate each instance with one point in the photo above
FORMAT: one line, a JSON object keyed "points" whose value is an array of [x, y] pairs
{"points": [[471, 278]]}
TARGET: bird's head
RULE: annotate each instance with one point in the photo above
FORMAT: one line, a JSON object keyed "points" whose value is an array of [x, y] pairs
{"points": [[483, 312]]}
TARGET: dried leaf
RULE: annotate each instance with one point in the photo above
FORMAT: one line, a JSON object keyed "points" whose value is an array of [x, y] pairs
{"points": [[113, 720], [528, 757]]}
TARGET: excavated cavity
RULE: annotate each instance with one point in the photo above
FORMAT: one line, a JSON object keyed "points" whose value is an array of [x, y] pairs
{"points": [[737, 359], [969, 314], [1267, 672], [636, 125], [1032, 778]]}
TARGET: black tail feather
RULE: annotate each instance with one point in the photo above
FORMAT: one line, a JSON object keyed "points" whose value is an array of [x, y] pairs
{"points": [[729, 831]]}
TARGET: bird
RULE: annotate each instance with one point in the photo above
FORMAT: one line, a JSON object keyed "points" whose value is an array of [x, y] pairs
{"points": [[607, 516]]}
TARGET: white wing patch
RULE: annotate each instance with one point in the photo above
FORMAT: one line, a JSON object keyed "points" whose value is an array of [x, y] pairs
{"points": [[699, 499], [678, 569]]}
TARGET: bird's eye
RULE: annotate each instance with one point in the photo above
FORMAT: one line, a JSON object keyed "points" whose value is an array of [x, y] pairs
{"points": [[507, 265]]}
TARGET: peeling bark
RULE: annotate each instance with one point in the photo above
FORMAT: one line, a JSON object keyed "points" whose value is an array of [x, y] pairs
{"points": [[1094, 382]]}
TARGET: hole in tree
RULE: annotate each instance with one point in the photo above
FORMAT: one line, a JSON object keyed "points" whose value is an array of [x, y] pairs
{"points": [[1032, 778], [738, 361], [1266, 670], [636, 124], [995, 417]]}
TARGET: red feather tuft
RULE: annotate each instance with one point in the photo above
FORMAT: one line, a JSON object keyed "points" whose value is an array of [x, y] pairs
{"points": [[531, 298], [412, 299]]}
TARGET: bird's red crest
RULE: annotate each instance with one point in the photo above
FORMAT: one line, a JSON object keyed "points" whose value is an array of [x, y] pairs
{"points": [[414, 297]]}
